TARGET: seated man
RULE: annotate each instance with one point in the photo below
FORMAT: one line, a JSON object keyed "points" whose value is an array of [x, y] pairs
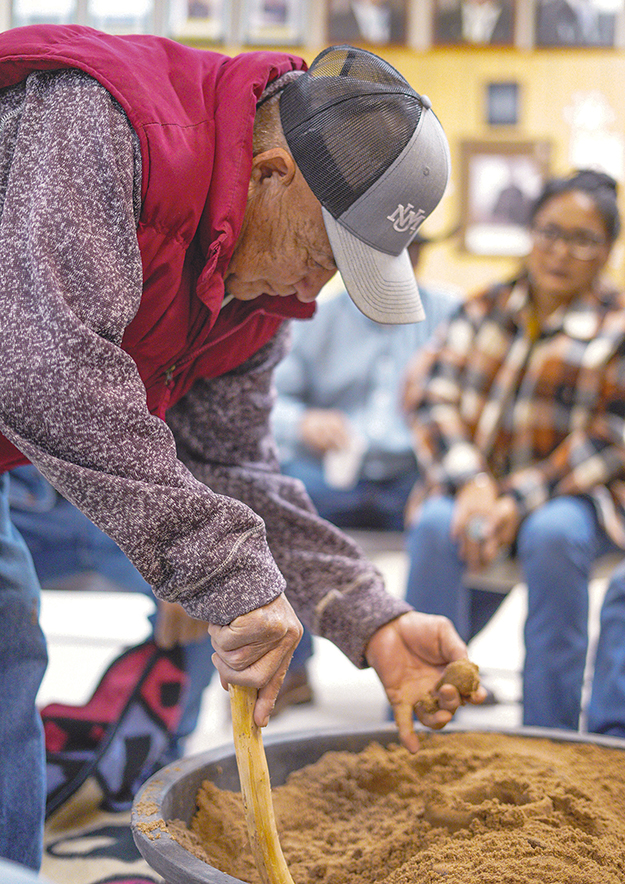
{"points": [[339, 424]]}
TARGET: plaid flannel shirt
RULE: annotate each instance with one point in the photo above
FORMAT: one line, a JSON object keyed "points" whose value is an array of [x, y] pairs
{"points": [[544, 412]]}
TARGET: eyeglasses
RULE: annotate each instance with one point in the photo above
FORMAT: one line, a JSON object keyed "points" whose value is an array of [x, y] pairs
{"points": [[580, 244]]}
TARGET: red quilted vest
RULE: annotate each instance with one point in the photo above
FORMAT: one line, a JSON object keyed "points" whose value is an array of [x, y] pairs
{"points": [[193, 112]]}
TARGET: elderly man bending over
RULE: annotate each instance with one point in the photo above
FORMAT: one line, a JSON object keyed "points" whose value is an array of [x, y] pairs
{"points": [[164, 210]]}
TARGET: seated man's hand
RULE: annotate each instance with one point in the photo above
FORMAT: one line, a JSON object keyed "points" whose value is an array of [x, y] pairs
{"points": [[409, 655], [256, 649], [175, 627], [325, 429]]}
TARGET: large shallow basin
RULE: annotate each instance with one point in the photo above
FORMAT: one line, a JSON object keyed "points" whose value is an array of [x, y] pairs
{"points": [[171, 793]]}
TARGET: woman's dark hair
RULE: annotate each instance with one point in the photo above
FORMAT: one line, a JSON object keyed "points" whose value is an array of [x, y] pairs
{"points": [[598, 185]]}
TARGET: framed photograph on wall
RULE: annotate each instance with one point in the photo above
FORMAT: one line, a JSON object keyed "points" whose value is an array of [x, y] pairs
{"points": [[499, 182], [587, 23], [205, 20], [367, 22], [502, 104], [474, 23], [273, 22]]}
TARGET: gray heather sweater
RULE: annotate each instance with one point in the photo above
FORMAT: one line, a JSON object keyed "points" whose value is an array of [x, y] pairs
{"points": [[197, 503]]}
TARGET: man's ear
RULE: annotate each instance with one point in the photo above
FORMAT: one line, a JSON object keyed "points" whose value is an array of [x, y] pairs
{"points": [[276, 163]]}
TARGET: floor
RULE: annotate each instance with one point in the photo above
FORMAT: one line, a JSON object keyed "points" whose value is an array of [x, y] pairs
{"points": [[87, 630]]}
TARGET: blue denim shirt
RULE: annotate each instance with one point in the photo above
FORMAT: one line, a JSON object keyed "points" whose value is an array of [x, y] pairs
{"points": [[342, 360]]}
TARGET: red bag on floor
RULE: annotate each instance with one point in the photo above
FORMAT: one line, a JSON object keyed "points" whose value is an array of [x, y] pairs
{"points": [[121, 733]]}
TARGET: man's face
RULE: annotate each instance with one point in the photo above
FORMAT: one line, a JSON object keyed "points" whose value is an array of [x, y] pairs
{"points": [[283, 248]]}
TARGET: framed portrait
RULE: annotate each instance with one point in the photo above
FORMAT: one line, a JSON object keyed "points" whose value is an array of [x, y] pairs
{"points": [[33, 12], [204, 20], [474, 23], [565, 23], [367, 22], [499, 182], [502, 104], [273, 22], [127, 17]]}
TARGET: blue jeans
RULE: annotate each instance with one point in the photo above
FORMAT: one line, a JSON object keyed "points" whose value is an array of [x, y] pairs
{"points": [[557, 546], [63, 542], [606, 709], [377, 505], [23, 661]]}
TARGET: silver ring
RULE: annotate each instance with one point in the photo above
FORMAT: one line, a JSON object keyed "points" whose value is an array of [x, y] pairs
{"points": [[476, 529]]}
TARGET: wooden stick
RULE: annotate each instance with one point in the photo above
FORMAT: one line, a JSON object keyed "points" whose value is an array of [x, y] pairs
{"points": [[256, 788]]}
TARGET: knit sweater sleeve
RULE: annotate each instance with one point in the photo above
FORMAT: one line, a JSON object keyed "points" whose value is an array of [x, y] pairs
{"points": [[70, 398], [223, 435]]}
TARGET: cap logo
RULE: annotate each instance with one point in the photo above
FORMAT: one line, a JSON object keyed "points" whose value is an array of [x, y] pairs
{"points": [[405, 218]]}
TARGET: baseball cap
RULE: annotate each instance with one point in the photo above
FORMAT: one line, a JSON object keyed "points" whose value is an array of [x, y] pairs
{"points": [[375, 156]]}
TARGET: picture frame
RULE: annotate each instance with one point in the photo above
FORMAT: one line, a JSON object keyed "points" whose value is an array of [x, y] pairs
{"points": [[273, 22], [499, 182], [129, 17], [31, 12], [367, 24], [201, 20], [471, 23], [592, 24], [502, 104]]}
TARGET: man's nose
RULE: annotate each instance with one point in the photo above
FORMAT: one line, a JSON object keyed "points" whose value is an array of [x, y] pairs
{"points": [[310, 285]]}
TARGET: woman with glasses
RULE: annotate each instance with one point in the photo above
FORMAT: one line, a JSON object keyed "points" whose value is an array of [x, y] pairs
{"points": [[518, 416]]}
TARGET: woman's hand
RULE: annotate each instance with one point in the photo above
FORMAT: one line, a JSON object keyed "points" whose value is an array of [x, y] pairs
{"points": [[256, 649], [471, 524], [484, 522]]}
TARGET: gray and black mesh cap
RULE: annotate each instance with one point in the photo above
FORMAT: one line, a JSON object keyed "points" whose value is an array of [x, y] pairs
{"points": [[374, 154]]}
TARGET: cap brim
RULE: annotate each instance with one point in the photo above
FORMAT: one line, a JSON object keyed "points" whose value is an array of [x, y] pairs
{"points": [[382, 286]]}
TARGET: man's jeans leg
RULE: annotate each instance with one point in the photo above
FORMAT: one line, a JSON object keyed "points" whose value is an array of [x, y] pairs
{"points": [[606, 710], [557, 546], [303, 652], [435, 575], [23, 660]]}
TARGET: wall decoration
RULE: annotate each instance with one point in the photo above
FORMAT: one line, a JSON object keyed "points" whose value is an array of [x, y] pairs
{"points": [[596, 139], [204, 20], [473, 22], [367, 22], [564, 23], [273, 22], [502, 104], [499, 181], [34, 12]]}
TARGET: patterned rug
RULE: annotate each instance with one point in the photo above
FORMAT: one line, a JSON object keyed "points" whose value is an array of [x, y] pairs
{"points": [[84, 844]]}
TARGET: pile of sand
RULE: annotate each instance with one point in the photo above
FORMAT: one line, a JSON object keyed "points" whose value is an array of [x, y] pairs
{"points": [[468, 807]]}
